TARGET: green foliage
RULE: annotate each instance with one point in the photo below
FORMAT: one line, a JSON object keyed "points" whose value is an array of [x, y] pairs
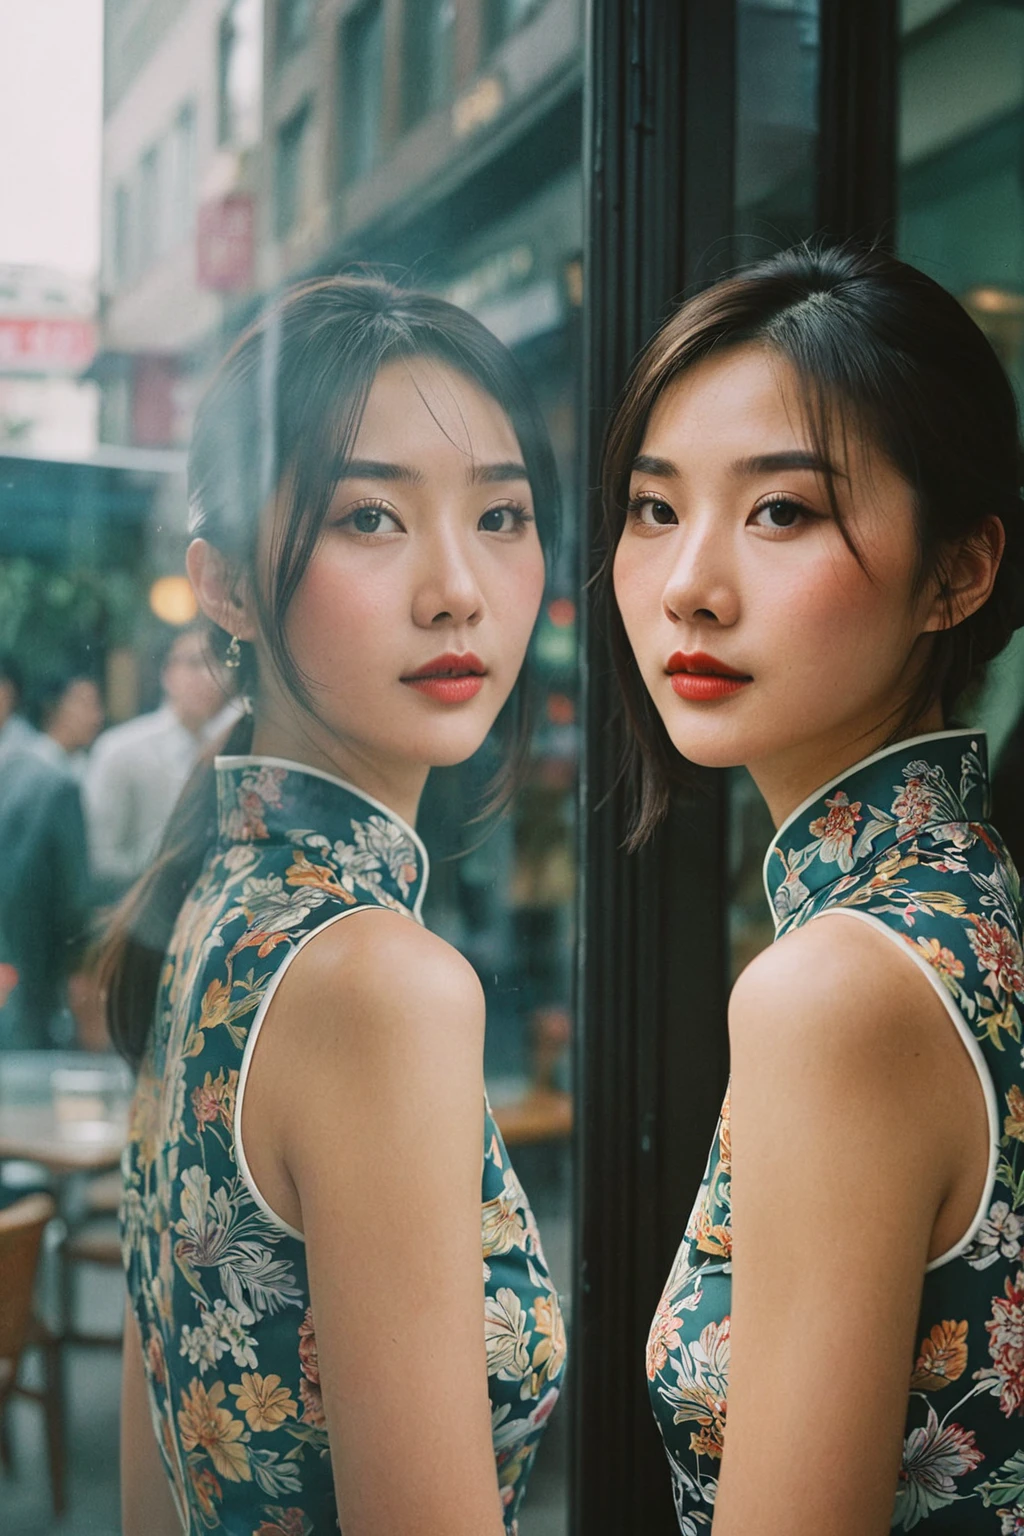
{"points": [[49, 618]]}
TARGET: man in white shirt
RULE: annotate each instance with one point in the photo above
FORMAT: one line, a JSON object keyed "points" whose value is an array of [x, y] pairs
{"points": [[137, 770]]}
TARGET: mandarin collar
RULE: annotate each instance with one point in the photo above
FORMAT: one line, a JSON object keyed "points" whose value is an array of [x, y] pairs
{"points": [[933, 786], [269, 800]]}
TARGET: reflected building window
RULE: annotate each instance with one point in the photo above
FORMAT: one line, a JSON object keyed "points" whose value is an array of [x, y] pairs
{"points": [[291, 139], [429, 57], [361, 78], [503, 17], [240, 74], [777, 66], [148, 243], [182, 173], [294, 20]]}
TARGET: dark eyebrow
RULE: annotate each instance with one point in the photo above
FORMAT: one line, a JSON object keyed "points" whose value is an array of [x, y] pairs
{"points": [[493, 474], [406, 474], [377, 469], [794, 458], [645, 464]]}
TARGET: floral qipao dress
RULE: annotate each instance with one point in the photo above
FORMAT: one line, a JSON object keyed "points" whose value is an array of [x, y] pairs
{"points": [[900, 841], [218, 1281]]}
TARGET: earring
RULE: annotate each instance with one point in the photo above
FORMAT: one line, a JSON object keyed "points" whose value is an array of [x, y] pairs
{"points": [[233, 656]]}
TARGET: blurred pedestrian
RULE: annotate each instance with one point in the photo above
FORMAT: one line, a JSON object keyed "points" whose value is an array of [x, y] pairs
{"points": [[44, 884], [137, 770], [14, 728], [68, 711]]}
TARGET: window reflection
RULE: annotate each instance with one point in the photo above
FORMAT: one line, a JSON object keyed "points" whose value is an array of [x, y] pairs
{"points": [[247, 145]]}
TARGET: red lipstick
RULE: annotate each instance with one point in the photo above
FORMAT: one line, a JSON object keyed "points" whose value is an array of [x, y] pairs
{"points": [[449, 679], [696, 676]]}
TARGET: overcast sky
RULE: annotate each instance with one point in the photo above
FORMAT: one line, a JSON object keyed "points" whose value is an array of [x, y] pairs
{"points": [[50, 125]]}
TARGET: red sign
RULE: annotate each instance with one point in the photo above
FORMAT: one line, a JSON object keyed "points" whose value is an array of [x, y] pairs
{"points": [[46, 346], [224, 244]]}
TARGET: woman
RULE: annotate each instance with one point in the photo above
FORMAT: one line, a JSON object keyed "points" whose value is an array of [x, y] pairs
{"points": [[813, 486], [371, 488]]}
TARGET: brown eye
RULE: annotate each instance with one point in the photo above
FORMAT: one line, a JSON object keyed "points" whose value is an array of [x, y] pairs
{"points": [[779, 513], [652, 511]]}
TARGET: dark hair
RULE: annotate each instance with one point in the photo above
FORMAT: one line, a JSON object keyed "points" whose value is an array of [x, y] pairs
{"points": [[281, 415], [878, 347], [49, 692], [11, 673]]}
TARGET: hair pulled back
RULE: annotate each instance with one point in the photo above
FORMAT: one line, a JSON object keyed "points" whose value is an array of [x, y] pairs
{"points": [[879, 350], [278, 420]]}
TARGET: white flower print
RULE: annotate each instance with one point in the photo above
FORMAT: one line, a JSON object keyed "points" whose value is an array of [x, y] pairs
{"points": [[999, 1233], [933, 1458], [506, 1329]]}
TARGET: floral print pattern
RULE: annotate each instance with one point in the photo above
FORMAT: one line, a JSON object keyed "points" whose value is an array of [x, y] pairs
{"points": [[903, 838], [218, 1286]]}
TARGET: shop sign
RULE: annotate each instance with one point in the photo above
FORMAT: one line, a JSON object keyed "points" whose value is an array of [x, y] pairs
{"points": [[46, 346], [225, 231]]}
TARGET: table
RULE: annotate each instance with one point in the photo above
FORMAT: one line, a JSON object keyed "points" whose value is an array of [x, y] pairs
{"points": [[65, 1110]]}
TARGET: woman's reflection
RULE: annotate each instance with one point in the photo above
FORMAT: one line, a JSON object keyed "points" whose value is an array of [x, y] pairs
{"points": [[372, 490]]}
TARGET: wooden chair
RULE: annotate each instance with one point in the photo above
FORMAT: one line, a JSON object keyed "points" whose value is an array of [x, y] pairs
{"points": [[21, 1229]]}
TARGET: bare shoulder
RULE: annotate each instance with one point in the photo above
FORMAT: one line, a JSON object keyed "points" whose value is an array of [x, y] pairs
{"points": [[378, 965], [837, 990]]}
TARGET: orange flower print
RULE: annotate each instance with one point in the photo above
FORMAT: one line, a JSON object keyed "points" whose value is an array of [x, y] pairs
{"points": [[999, 954], [943, 1357], [836, 831], [216, 1004], [312, 1400], [284, 1522], [549, 1352], [205, 1426], [939, 957], [156, 1365], [1006, 1347], [214, 1099], [263, 1400], [663, 1337], [319, 877], [725, 1134], [1013, 1125], [206, 1488]]}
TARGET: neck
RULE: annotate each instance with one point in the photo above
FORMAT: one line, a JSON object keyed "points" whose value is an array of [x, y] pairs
{"points": [[399, 786], [790, 778]]}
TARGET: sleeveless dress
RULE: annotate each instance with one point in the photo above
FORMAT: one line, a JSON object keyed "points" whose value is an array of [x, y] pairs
{"points": [[900, 841], [217, 1281]]}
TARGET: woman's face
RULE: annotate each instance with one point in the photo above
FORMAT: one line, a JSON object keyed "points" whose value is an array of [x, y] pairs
{"points": [[760, 636], [413, 617]]}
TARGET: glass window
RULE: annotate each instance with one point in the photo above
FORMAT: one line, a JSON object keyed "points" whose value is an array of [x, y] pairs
{"points": [[361, 82], [240, 73], [148, 243], [289, 169], [777, 60], [428, 57], [777, 65], [961, 218], [224, 179], [503, 17], [294, 18]]}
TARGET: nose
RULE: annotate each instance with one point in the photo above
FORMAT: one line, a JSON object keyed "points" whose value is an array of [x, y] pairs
{"points": [[448, 591], [702, 585]]}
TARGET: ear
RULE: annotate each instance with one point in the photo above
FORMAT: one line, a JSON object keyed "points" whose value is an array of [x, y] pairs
{"points": [[968, 576], [218, 591]]}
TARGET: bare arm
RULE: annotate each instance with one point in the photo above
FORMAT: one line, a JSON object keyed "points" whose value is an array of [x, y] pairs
{"points": [[368, 1080], [852, 1110], [147, 1507]]}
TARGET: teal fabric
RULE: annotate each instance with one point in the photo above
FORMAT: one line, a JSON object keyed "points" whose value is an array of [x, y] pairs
{"points": [[903, 840], [217, 1282]]}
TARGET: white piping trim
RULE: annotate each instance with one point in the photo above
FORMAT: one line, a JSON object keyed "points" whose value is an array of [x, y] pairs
{"points": [[241, 1161], [245, 760], [865, 762], [977, 1056]]}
